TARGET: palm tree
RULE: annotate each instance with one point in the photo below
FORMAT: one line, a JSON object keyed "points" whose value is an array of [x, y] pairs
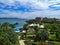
{"points": [[7, 35]]}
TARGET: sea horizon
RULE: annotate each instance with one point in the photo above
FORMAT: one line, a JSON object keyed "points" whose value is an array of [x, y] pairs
{"points": [[20, 21]]}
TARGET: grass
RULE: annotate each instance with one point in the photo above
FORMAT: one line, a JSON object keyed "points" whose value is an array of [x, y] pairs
{"points": [[52, 37], [51, 43], [55, 42], [40, 42], [30, 32]]}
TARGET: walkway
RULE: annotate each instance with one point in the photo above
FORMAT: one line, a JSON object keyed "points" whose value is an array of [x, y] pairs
{"points": [[21, 41]]}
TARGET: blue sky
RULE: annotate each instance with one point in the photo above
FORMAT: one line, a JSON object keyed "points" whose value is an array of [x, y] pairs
{"points": [[29, 8]]}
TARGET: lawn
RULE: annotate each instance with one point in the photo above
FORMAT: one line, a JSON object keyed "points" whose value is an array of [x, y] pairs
{"points": [[54, 43]]}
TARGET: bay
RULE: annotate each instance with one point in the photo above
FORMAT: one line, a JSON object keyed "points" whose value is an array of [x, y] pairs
{"points": [[12, 21]]}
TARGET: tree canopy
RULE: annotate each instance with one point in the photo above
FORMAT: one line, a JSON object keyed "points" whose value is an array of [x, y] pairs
{"points": [[7, 35]]}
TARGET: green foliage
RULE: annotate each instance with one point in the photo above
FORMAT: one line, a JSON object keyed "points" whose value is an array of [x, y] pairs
{"points": [[51, 31], [54, 43], [4, 40], [28, 42], [30, 21], [7, 35], [30, 32], [41, 35], [52, 37], [25, 27], [58, 35], [37, 43]]}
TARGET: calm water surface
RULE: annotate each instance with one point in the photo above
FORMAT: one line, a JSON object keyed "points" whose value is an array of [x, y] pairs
{"points": [[12, 21]]}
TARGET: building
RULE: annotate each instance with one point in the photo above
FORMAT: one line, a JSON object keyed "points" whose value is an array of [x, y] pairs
{"points": [[39, 26], [47, 20]]}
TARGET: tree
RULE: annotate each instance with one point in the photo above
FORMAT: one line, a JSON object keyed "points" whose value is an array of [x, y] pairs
{"points": [[58, 32], [30, 21], [7, 35], [58, 36], [42, 35], [4, 40]]}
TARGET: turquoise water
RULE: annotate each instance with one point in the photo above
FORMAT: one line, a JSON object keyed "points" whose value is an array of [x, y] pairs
{"points": [[12, 21]]}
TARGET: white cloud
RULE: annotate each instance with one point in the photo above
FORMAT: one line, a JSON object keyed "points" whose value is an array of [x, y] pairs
{"points": [[45, 13], [56, 5], [35, 4], [38, 4]]}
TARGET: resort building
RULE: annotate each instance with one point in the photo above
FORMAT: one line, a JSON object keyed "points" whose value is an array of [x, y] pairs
{"points": [[47, 20], [39, 26]]}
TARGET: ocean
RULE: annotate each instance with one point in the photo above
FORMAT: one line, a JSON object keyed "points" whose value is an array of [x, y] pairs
{"points": [[13, 20]]}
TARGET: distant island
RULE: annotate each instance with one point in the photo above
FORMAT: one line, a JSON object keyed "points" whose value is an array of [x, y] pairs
{"points": [[13, 18]]}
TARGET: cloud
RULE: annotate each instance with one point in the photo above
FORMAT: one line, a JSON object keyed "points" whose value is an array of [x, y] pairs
{"points": [[32, 4], [55, 6], [30, 8], [35, 4], [29, 15]]}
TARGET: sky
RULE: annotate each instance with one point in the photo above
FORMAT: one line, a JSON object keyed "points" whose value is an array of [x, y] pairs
{"points": [[29, 8]]}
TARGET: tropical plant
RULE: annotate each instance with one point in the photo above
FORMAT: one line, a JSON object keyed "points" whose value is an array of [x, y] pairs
{"points": [[7, 35]]}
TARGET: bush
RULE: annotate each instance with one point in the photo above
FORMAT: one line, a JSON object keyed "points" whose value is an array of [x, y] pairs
{"points": [[52, 37]]}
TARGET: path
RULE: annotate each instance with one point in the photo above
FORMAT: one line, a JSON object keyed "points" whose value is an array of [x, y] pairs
{"points": [[21, 41]]}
